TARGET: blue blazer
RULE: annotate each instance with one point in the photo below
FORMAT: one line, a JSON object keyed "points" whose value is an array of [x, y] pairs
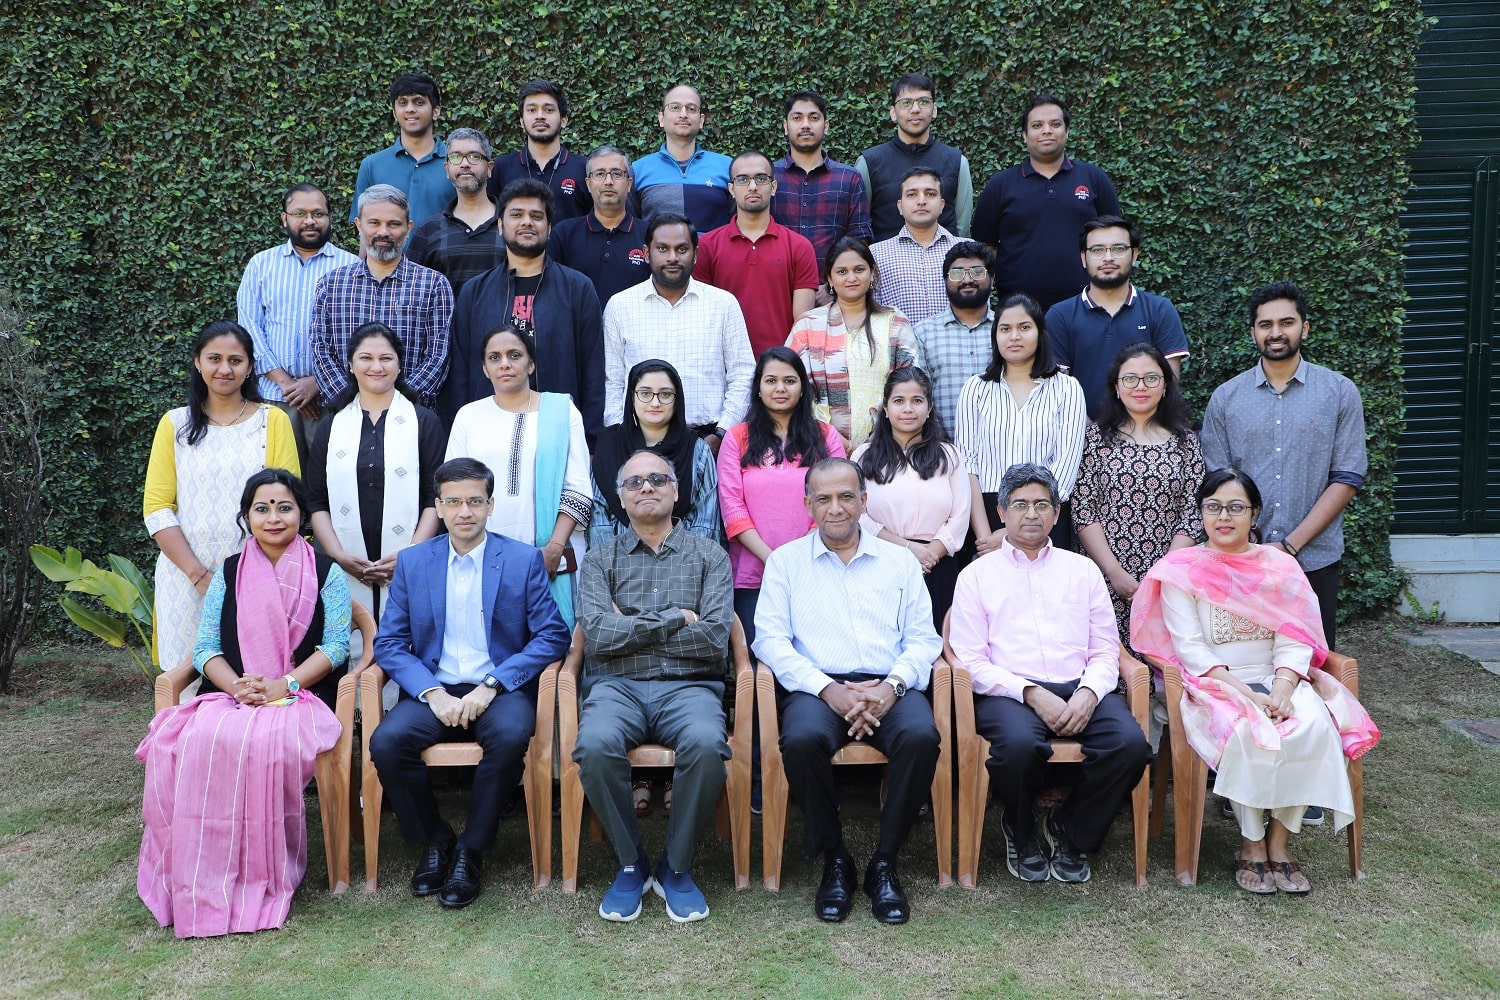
{"points": [[526, 631]]}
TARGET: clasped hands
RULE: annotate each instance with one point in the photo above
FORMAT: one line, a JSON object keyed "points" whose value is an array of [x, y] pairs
{"points": [[254, 689], [1065, 718], [1278, 704], [459, 712], [370, 572], [862, 704]]}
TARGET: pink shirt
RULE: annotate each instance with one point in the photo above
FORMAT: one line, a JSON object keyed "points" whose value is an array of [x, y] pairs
{"points": [[913, 507], [1017, 620], [767, 498]]}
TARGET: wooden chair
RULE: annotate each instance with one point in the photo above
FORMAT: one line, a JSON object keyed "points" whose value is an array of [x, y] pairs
{"points": [[774, 791], [536, 779], [1190, 775], [733, 812], [333, 766], [973, 753]]}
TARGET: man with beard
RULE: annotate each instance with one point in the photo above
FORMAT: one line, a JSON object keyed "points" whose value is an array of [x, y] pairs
{"points": [[682, 177], [605, 244], [414, 301], [768, 268], [414, 163], [817, 197], [463, 240], [275, 304], [1088, 329], [691, 325], [1298, 430], [884, 168], [544, 114], [955, 343], [555, 304]]}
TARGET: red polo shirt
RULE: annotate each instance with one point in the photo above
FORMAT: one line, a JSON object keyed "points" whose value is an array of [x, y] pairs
{"points": [[761, 274]]}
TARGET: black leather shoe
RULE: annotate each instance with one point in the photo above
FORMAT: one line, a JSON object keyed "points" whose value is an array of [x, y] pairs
{"points": [[883, 886], [432, 870], [836, 892], [463, 884]]}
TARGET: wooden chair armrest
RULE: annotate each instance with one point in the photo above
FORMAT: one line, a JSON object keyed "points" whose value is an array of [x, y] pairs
{"points": [[743, 678], [1137, 678], [572, 663], [1345, 670], [170, 684], [963, 702], [371, 679], [1172, 676], [364, 624], [566, 681], [765, 703]]}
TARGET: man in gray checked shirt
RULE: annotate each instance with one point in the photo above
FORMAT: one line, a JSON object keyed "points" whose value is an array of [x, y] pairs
{"points": [[656, 606]]}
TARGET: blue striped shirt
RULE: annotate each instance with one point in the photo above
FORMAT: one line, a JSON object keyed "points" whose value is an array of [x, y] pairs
{"points": [[275, 304]]}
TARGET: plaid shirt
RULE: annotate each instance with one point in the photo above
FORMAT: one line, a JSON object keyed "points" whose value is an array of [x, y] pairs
{"points": [[911, 275], [823, 204], [446, 244], [951, 352], [630, 602], [415, 302]]}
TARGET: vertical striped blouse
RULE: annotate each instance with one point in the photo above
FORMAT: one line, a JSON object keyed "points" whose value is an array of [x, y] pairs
{"points": [[994, 432]]}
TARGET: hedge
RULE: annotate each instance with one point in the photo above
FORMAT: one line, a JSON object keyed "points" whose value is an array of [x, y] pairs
{"points": [[148, 145]]}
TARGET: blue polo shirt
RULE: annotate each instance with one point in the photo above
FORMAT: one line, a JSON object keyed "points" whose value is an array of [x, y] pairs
{"points": [[1033, 223], [1086, 338], [564, 177], [613, 259], [699, 190], [425, 181]]}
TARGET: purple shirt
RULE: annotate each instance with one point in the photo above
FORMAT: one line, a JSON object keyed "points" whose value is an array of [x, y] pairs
{"points": [[822, 204]]}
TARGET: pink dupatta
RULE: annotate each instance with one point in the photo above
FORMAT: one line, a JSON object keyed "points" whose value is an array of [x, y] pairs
{"points": [[1264, 586], [225, 842]]}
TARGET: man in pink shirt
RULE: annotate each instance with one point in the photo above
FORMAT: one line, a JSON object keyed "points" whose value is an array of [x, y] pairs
{"points": [[1034, 627]]}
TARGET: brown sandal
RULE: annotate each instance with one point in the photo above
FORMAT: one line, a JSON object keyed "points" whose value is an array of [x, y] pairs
{"points": [[640, 797], [1254, 877], [1289, 878]]}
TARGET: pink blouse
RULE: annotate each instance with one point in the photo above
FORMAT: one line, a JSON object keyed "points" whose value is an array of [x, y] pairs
{"points": [[913, 507]]}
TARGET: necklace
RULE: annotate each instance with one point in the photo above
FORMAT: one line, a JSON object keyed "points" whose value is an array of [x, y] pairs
{"points": [[237, 417]]}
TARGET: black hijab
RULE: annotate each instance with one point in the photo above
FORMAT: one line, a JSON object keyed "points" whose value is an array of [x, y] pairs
{"points": [[618, 443]]}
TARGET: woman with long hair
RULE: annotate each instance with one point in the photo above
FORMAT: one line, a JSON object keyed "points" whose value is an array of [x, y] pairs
{"points": [[369, 467], [1134, 499], [918, 488], [1022, 408], [534, 443], [225, 842], [850, 345], [654, 419], [200, 456]]}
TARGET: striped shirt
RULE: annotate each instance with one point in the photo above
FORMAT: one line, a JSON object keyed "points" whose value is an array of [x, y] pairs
{"points": [[819, 618], [994, 432], [415, 302], [275, 303], [702, 335], [911, 275], [952, 352], [449, 246]]}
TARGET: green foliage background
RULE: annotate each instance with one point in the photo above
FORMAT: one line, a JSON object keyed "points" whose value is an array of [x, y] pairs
{"points": [[148, 145]]}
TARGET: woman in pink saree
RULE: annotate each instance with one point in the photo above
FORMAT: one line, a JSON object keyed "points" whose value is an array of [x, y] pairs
{"points": [[1242, 623], [225, 843]]}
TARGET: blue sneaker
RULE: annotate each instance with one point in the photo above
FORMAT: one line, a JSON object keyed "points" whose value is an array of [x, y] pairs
{"points": [[1313, 816], [685, 901], [622, 903]]}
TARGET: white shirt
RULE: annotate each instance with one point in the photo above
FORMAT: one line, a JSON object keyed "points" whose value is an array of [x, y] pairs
{"points": [[466, 656], [994, 432], [702, 335]]}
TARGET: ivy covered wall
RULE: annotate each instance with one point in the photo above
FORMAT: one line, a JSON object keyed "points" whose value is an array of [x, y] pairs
{"points": [[147, 145]]}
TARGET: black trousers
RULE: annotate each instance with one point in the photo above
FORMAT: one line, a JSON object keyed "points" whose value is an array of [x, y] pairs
{"points": [[396, 746], [1115, 753], [811, 733], [1325, 584]]}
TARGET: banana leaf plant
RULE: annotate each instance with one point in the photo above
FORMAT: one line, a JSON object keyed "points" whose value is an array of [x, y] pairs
{"points": [[121, 589]]}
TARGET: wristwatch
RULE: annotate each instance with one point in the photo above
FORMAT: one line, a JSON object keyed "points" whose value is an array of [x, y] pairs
{"points": [[492, 682], [896, 685], [292, 687]]}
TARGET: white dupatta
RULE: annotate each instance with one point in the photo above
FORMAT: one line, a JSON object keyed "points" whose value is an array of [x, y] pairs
{"points": [[402, 466]]}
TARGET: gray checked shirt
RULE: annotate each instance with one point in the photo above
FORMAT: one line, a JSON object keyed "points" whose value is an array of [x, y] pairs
{"points": [[952, 351], [630, 602]]}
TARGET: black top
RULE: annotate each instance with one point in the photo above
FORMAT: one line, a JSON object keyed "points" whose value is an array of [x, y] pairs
{"points": [[889, 162], [613, 259], [564, 176], [446, 244]]}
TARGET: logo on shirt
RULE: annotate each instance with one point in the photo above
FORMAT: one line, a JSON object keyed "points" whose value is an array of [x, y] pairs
{"points": [[568, 186], [637, 256], [1081, 192]]}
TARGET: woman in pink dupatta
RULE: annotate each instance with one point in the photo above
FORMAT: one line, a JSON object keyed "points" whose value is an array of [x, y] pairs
{"points": [[225, 844], [1242, 623]]}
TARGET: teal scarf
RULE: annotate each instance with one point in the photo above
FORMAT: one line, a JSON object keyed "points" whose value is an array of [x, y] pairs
{"points": [[551, 462]]}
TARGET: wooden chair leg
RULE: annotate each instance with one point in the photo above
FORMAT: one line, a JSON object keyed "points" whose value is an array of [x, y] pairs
{"points": [[1188, 792], [369, 785], [1140, 807], [1357, 828], [1161, 772], [737, 801], [942, 781], [721, 817]]}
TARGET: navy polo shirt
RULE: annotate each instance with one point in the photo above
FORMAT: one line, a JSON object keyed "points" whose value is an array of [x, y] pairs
{"points": [[564, 177], [1086, 338], [1033, 223], [613, 259]]}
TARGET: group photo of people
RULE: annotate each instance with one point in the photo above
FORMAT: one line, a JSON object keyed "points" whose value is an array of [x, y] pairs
{"points": [[561, 402]]}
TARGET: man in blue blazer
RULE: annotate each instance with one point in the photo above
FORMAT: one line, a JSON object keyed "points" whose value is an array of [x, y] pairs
{"points": [[468, 626]]}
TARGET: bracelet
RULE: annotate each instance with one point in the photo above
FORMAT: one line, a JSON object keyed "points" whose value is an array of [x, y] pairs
{"points": [[1291, 549]]}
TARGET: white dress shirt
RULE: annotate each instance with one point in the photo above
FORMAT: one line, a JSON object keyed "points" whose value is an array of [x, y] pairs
{"points": [[466, 654]]}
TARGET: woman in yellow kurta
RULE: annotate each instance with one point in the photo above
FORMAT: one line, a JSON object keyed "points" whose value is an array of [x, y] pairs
{"points": [[200, 458]]}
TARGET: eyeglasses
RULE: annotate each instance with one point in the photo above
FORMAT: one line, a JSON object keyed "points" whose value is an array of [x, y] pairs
{"points": [[1234, 509], [1022, 506], [663, 396], [1149, 381], [1113, 250], [971, 273], [457, 159], [907, 103], [759, 180], [611, 175], [676, 109], [634, 484], [315, 215], [473, 503]]}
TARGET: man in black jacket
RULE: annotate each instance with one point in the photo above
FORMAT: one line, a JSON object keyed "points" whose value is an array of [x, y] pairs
{"points": [[913, 108], [555, 304]]}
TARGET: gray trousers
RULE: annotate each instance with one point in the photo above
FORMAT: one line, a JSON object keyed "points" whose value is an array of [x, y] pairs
{"points": [[618, 714]]}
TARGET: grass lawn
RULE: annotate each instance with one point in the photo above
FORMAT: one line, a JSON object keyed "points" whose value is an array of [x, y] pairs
{"points": [[1426, 922]]}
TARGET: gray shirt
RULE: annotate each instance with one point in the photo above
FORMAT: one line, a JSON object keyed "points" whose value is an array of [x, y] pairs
{"points": [[1293, 443], [952, 351], [630, 602]]}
